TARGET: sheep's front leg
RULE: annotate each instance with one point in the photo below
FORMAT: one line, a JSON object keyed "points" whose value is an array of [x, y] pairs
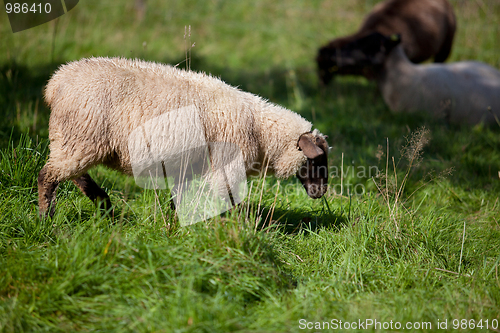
{"points": [[95, 193], [47, 186]]}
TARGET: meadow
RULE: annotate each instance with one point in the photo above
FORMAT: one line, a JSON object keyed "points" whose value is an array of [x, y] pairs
{"points": [[408, 233]]}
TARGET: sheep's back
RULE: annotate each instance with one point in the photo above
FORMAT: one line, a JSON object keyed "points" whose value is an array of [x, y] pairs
{"points": [[425, 25], [461, 91], [101, 101]]}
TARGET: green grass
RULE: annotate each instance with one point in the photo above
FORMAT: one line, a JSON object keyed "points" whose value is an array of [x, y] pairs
{"points": [[418, 242]]}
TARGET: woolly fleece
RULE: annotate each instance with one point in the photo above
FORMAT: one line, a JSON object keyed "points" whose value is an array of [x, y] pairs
{"points": [[96, 103], [461, 92]]}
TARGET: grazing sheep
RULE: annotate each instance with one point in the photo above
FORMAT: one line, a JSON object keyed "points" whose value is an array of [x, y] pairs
{"points": [[462, 92], [427, 28], [98, 103]]}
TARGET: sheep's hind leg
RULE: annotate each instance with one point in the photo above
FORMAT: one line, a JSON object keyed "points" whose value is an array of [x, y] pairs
{"points": [[47, 186], [95, 193]]}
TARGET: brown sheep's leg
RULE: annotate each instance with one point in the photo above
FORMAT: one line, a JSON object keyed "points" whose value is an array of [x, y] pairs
{"points": [[95, 193], [47, 186]]}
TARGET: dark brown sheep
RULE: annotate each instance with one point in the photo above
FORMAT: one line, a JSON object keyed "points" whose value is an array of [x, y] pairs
{"points": [[427, 28]]}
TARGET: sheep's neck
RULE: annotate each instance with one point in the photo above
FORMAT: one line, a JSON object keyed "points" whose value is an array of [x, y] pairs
{"points": [[396, 78], [279, 130]]}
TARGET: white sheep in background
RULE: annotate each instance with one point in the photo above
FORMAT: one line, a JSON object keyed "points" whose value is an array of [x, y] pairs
{"points": [[466, 92], [97, 103]]}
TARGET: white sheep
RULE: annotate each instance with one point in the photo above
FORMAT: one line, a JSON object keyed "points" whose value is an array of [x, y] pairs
{"points": [[461, 92], [97, 105]]}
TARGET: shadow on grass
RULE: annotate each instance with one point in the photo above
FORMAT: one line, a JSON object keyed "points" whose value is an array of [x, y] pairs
{"points": [[291, 221], [22, 108]]}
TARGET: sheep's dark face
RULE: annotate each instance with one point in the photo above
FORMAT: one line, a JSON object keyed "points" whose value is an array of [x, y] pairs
{"points": [[314, 173], [364, 56], [333, 60]]}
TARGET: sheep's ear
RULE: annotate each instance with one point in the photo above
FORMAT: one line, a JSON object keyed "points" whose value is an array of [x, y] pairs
{"points": [[396, 38], [393, 40], [308, 147]]}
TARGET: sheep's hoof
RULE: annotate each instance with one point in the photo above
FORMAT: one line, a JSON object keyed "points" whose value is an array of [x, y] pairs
{"points": [[47, 213]]}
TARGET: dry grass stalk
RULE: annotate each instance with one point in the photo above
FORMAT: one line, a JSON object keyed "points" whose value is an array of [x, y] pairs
{"points": [[389, 186]]}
